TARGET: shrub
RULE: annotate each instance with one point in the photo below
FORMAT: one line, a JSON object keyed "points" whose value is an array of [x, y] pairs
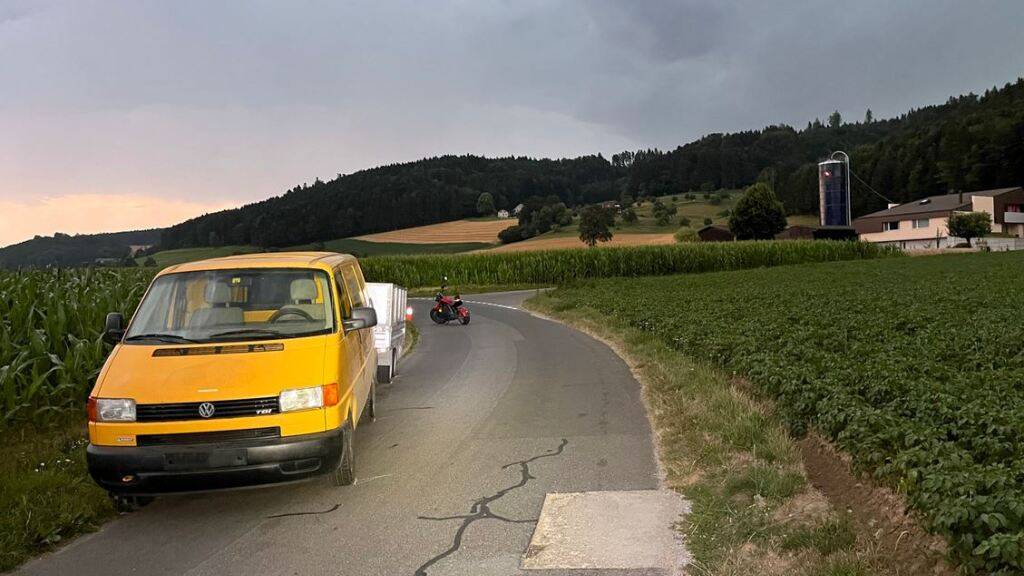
{"points": [[512, 234], [686, 235]]}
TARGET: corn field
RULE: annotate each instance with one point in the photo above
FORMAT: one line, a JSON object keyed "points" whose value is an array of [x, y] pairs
{"points": [[562, 266], [51, 320], [50, 336]]}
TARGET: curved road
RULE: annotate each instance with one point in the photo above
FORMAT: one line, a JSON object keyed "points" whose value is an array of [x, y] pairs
{"points": [[482, 421]]}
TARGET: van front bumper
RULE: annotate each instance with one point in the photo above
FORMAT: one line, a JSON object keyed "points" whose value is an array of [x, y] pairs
{"points": [[166, 469]]}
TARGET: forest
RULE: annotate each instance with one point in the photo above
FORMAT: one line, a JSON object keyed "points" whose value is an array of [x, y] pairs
{"points": [[971, 142]]}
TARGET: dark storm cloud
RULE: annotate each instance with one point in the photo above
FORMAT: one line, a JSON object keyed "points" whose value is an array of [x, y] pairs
{"points": [[200, 100]]}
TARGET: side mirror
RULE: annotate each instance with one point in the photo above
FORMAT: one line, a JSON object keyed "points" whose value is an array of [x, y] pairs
{"points": [[113, 328], [364, 317]]}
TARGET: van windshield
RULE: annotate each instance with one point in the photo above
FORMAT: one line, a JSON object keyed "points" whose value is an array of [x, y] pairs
{"points": [[234, 305]]}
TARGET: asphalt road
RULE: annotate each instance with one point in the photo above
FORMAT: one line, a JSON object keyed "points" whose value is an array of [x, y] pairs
{"points": [[481, 423]]}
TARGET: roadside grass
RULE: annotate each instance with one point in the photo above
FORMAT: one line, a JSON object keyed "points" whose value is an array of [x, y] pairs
{"points": [[46, 494], [753, 511]]}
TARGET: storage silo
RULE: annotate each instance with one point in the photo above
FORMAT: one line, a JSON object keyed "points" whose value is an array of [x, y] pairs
{"points": [[834, 192]]}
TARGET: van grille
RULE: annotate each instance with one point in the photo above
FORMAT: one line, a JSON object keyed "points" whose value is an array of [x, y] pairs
{"points": [[221, 409], [206, 437]]}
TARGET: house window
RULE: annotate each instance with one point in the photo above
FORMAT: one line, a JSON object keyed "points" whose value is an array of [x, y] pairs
{"points": [[921, 223], [888, 226]]}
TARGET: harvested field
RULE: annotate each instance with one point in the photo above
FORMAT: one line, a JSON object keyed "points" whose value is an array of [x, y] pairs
{"points": [[557, 242], [457, 232]]}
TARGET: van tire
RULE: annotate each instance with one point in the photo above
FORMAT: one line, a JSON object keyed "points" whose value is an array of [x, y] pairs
{"points": [[345, 473], [124, 503]]}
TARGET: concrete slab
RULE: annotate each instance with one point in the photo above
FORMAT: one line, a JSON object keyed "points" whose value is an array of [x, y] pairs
{"points": [[620, 530]]}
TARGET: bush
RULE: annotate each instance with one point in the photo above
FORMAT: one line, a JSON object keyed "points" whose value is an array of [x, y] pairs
{"points": [[512, 234], [708, 221], [686, 235], [684, 221]]}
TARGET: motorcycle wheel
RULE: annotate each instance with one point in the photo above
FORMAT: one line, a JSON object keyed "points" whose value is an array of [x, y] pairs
{"points": [[464, 319], [438, 317]]}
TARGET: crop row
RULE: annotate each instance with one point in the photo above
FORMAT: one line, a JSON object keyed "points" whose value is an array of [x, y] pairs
{"points": [[913, 366], [561, 266]]}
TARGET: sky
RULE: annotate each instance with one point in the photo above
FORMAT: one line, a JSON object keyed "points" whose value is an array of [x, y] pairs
{"points": [[136, 114]]}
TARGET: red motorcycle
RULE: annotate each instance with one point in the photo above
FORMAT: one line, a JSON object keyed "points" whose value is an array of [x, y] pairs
{"points": [[447, 308]]}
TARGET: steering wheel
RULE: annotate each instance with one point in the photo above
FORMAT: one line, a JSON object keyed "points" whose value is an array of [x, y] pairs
{"points": [[289, 311]]}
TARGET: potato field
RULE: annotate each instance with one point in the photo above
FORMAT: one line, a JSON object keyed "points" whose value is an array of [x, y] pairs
{"points": [[913, 366]]}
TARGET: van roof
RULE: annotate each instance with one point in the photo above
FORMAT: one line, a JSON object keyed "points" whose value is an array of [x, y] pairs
{"points": [[321, 260]]}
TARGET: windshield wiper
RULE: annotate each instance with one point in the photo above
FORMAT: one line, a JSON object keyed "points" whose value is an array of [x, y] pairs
{"points": [[161, 337], [250, 331]]}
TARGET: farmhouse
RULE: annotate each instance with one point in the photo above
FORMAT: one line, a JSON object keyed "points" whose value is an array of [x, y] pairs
{"points": [[714, 233], [502, 214], [924, 223]]}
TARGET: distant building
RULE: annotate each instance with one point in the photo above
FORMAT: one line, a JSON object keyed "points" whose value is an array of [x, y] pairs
{"points": [[136, 248], [925, 223], [502, 214], [517, 209], [715, 234], [797, 232]]}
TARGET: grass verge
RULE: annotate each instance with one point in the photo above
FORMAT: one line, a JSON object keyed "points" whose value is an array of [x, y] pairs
{"points": [[753, 511], [46, 493]]}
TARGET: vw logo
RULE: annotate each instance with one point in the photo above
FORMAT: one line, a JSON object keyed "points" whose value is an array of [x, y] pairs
{"points": [[206, 409]]}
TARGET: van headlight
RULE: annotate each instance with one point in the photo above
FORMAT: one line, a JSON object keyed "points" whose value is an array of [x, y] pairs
{"points": [[114, 410], [301, 399]]}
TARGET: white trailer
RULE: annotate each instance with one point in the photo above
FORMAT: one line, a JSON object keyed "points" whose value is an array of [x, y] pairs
{"points": [[389, 300]]}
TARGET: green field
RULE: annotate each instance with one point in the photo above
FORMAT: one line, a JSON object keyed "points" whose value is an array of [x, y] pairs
{"points": [[913, 366]]}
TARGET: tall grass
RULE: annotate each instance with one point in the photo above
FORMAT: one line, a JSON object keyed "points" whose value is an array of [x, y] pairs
{"points": [[561, 266]]}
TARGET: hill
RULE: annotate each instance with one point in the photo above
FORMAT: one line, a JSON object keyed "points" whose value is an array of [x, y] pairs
{"points": [[79, 250], [970, 142]]}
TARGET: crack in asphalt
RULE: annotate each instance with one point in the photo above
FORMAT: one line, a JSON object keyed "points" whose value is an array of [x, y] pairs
{"points": [[328, 511], [480, 510]]}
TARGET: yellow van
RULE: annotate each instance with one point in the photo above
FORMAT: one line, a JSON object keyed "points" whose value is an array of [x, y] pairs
{"points": [[234, 372]]}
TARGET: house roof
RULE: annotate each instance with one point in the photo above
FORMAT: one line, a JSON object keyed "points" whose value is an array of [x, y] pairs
{"points": [[940, 203]]}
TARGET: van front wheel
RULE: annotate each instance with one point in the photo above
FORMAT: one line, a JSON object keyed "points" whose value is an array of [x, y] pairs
{"points": [[345, 473]]}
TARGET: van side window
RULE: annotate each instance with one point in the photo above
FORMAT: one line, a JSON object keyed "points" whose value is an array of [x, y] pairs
{"points": [[352, 288], [343, 298]]}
